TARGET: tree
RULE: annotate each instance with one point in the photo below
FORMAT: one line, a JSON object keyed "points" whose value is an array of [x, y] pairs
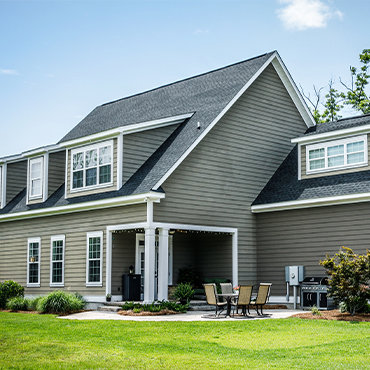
{"points": [[355, 94], [349, 276]]}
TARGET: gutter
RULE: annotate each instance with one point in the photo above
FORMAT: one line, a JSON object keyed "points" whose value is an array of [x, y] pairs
{"points": [[85, 206]]}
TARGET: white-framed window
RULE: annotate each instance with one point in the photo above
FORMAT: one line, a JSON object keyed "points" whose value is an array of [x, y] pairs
{"points": [[94, 258], [33, 262], [92, 166], [36, 178], [57, 250], [1, 185], [338, 154]]}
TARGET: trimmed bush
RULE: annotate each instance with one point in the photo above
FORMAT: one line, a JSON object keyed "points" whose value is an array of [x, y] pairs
{"points": [[33, 303], [154, 307], [60, 302], [18, 304], [9, 289]]}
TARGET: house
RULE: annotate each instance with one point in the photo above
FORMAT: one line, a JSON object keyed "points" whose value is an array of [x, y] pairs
{"points": [[202, 172]]}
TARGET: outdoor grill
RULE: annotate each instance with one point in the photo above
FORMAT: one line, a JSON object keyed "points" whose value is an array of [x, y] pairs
{"points": [[314, 292]]}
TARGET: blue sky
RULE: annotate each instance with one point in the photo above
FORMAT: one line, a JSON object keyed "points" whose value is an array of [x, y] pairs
{"points": [[60, 59]]}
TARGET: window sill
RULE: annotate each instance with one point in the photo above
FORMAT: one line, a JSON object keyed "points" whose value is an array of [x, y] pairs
{"points": [[94, 284], [31, 285], [57, 285]]}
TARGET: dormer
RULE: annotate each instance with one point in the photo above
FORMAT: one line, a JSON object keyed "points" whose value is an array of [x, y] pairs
{"points": [[45, 172], [334, 148]]}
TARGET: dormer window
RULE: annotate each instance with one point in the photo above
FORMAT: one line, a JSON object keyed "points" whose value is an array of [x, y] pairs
{"points": [[92, 166], [36, 172], [339, 154]]}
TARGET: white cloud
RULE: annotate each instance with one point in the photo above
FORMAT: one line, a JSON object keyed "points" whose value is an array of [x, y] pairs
{"points": [[303, 14], [9, 72], [201, 31]]}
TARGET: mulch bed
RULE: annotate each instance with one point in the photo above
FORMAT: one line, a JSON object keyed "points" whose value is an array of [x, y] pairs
{"points": [[147, 313], [20, 311], [334, 315]]}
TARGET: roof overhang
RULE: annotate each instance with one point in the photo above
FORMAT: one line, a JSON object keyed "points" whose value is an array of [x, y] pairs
{"points": [[332, 135], [310, 203], [85, 206], [128, 129], [289, 84]]}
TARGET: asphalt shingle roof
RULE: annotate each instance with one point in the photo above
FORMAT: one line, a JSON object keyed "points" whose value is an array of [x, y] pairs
{"points": [[284, 185], [339, 125]]}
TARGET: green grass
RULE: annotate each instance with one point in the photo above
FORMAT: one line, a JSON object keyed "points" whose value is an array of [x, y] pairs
{"points": [[44, 341]]}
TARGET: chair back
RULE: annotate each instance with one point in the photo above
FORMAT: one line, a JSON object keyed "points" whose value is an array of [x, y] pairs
{"points": [[245, 294], [263, 293], [210, 290], [226, 288]]}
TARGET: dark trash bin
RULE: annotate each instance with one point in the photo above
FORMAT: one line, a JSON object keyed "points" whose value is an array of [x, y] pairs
{"points": [[131, 287]]}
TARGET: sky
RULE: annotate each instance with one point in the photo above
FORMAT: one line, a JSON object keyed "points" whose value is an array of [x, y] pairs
{"points": [[61, 59]]}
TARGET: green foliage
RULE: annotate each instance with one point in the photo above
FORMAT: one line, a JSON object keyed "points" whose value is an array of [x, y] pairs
{"points": [[33, 303], [349, 276], [332, 104], [60, 302], [9, 289], [17, 304], [315, 311], [184, 292], [154, 307]]}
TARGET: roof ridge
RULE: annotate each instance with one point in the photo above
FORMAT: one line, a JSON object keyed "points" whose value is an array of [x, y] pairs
{"points": [[351, 117], [187, 78]]}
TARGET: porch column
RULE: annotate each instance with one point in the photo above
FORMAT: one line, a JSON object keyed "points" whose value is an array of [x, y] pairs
{"points": [[149, 265], [163, 265], [235, 257]]}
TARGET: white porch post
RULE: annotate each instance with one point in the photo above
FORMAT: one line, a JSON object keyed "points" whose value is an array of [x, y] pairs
{"points": [[149, 265], [163, 265], [235, 257], [108, 262]]}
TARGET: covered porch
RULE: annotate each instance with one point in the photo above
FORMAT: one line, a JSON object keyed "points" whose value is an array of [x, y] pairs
{"points": [[160, 251]]}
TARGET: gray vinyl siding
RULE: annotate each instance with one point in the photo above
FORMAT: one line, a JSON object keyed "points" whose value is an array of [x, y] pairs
{"points": [[92, 191], [16, 179], [330, 173], [123, 255], [306, 236], [138, 147], [13, 245], [56, 175], [216, 184]]}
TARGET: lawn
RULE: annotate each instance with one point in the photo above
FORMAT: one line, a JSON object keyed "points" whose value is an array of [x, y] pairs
{"points": [[44, 341]]}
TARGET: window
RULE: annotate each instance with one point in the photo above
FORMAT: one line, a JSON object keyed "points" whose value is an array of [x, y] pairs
{"points": [[92, 166], [94, 256], [1, 185], [57, 260], [345, 153], [33, 262], [36, 169]]}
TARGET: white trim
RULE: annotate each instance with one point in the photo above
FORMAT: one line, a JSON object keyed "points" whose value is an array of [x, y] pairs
{"points": [[119, 161], [32, 160], [86, 206], [52, 239], [332, 134], [43, 150], [29, 241], [344, 142], [216, 229], [315, 202], [108, 269], [46, 177], [83, 150], [235, 267], [3, 185], [299, 162], [292, 91], [66, 175], [95, 234], [128, 129]]}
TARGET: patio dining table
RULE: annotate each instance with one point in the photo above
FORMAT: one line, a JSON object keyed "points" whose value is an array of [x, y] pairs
{"points": [[228, 297]]}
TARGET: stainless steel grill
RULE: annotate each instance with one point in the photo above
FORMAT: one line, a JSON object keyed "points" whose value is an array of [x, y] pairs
{"points": [[314, 292]]}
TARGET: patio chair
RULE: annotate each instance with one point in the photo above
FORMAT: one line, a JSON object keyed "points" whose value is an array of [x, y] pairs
{"points": [[211, 295], [244, 299], [226, 288], [262, 297]]}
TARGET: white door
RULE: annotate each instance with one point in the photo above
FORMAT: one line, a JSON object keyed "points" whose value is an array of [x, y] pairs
{"points": [[140, 262]]}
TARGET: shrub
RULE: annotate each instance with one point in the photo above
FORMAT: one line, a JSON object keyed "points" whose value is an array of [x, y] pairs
{"points": [[17, 304], [315, 311], [9, 289], [60, 302], [189, 275], [33, 303], [349, 276], [154, 307], [184, 292]]}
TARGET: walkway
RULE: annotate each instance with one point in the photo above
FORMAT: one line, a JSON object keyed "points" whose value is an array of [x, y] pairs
{"points": [[189, 316]]}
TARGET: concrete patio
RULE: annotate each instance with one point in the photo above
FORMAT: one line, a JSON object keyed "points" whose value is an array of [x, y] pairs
{"points": [[188, 316]]}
